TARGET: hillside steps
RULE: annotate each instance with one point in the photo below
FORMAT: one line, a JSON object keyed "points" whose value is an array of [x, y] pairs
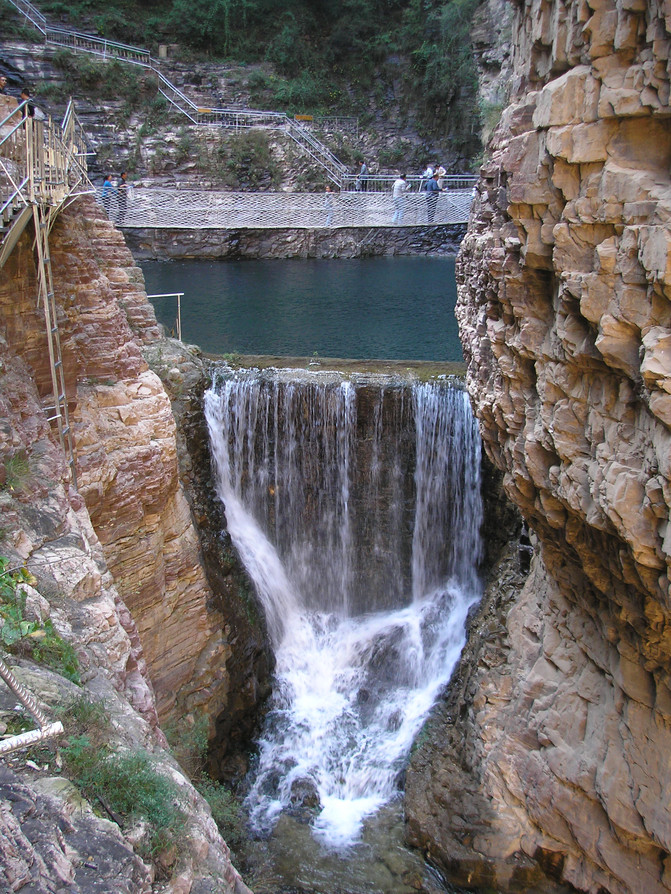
{"points": [[197, 115]]}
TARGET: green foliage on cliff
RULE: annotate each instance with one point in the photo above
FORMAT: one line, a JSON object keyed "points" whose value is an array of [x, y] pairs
{"points": [[188, 742], [334, 56], [28, 637], [129, 787]]}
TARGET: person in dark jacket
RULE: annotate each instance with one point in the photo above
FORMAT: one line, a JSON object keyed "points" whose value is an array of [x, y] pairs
{"points": [[432, 190], [29, 108]]}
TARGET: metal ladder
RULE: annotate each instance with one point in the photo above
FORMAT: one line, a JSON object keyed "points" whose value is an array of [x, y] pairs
{"points": [[58, 410]]}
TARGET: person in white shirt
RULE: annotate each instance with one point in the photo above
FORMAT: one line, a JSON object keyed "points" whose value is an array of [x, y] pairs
{"points": [[426, 176], [398, 192]]}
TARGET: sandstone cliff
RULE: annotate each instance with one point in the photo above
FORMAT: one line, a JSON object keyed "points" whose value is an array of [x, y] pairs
{"points": [[558, 755], [119, 561]]}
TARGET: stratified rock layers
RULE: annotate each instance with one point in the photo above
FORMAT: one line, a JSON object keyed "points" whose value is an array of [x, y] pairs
{"points": [[140, 553], [565, 316], [125, 448]]}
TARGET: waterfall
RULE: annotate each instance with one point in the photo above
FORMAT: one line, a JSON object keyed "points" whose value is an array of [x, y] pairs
{"points": [[356, 511]]}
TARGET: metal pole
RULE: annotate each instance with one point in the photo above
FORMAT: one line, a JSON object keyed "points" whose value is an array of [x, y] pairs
{"points": [[179, 316]]}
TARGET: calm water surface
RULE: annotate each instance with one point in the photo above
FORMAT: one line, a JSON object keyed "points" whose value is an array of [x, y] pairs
{"points": [[368, 309]]}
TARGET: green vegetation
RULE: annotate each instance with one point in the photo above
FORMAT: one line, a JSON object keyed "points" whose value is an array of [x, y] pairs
{"points": [[31, 639], [328, 57], [17, 471], [127, 785], [121, 785], [188, 741]]}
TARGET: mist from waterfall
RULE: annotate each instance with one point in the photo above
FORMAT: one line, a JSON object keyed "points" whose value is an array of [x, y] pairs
{"points": [[356, 510]]}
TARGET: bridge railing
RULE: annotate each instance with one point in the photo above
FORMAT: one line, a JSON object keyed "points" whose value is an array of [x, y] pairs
{"points": [[98, 46], [205, 209], [41, 162], [384, 182]]}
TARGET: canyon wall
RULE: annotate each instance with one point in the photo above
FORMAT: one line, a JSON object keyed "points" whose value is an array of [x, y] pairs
{"points": [[117, 562], [125, 446], [554, 761]]}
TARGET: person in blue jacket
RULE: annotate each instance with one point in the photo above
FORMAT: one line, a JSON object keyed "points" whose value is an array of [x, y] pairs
{"points": [[108, 193]]}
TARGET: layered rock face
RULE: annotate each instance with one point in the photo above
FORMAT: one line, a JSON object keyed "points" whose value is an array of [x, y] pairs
{"points": [[125, 447], [50, 837], [565, 317]]}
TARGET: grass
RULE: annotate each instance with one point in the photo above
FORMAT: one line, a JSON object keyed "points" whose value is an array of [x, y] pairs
{"points": [[124, 785], [17, 471], [31, 638], [129, 788], [188, 742]]}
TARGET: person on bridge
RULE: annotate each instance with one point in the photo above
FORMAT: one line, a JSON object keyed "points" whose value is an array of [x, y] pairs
{"points": [[432, 190], [398, 191], [122, 197], [107, 193], [3, 83], [328, 206], [426, 176], [363, 177]]}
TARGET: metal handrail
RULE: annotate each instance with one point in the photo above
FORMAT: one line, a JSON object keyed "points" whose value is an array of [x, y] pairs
{"points": [[33, 15], [178, 296], [46, 729], [384, 182], [100, 46], [41, 162]]}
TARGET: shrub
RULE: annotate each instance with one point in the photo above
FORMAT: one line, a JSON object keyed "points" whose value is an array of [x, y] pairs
{"points": [[226, 810], [31, 639], [128, 786], [17, 471], [188, 742]]}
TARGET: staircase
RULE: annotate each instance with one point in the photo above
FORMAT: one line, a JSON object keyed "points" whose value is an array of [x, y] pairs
{"points": [[197, 115], [42, 170]]}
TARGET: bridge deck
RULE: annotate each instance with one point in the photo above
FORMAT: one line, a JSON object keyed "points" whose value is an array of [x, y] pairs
{"points": [[203, 209]]}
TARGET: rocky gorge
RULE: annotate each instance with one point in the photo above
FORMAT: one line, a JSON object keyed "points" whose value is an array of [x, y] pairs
{"points": [[546, 766]]}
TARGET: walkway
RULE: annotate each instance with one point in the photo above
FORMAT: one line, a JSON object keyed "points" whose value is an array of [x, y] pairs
{"points": [[208, 210], [298, 128]]}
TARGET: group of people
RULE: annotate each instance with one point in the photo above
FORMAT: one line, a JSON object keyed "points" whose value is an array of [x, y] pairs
{"points": [[431, 182], [116, 194], [28, 108]]}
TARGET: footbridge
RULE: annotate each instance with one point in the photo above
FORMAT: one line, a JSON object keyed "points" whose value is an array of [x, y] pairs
{"points": [[212, 210]]}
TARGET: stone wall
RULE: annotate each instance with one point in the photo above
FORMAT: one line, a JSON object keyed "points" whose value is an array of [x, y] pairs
{"points": [[565, 317], [150, 244]]}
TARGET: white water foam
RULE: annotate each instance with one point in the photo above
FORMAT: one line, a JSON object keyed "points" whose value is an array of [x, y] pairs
{"points": [[350, 692]]}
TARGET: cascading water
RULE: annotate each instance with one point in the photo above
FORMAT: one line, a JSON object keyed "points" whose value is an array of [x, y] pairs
{"points": [[356, 511]]}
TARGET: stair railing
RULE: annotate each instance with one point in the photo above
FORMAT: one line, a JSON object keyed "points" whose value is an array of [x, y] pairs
{"points": [[107, 49]]}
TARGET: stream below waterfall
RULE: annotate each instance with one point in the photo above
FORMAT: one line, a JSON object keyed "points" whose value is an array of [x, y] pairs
{"points": [[355, 507]]}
